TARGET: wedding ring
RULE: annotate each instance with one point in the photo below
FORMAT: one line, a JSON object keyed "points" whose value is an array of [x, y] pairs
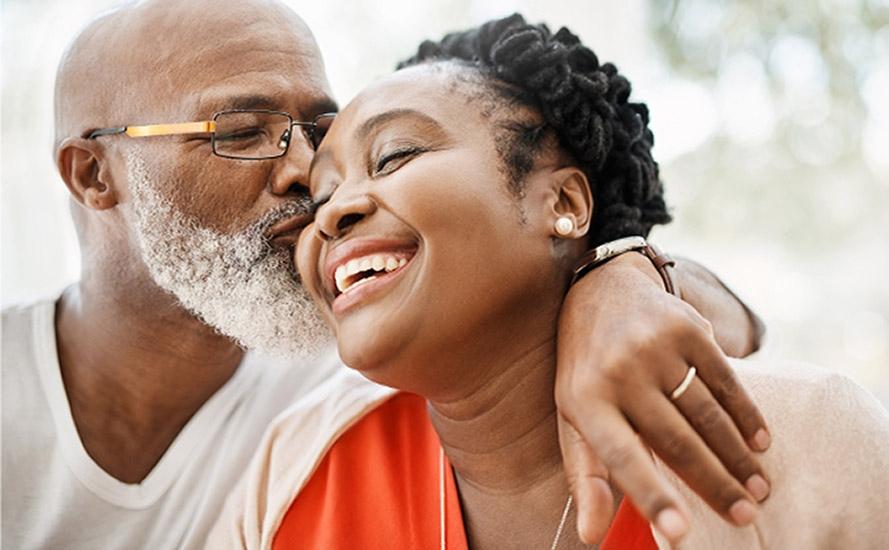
{"points": [[686, 382]]}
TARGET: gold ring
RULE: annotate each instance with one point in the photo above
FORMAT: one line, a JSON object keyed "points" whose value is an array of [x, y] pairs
{"points": [[686, 382]]}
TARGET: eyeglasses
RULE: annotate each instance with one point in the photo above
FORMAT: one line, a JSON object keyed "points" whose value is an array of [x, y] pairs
{"points": [[244, 134]]}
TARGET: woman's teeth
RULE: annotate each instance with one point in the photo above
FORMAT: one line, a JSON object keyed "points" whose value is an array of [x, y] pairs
{"points": [[356, 272]]}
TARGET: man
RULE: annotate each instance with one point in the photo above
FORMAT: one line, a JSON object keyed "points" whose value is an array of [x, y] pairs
{"points": [[130, 407]]}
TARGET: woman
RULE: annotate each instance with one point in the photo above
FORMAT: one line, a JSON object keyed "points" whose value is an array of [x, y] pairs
{"points": [[455, 198]]}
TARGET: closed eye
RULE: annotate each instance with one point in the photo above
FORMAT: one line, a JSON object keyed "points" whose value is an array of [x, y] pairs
{"points": [[390, 162], [242, 134]]}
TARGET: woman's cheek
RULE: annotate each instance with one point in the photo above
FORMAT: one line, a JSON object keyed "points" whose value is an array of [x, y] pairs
{"points": [[307, 257]]}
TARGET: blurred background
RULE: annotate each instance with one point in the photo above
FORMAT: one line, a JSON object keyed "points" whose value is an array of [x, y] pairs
{"points": [[771, 121]]}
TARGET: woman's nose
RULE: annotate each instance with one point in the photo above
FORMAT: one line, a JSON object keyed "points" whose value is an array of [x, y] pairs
{"points": [[339, 214]]}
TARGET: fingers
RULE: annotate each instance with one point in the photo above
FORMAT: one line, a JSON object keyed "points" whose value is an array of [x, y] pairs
{"points": [[722, 382], [588, 481], [632, 469], [719, 432], [668, 433]]}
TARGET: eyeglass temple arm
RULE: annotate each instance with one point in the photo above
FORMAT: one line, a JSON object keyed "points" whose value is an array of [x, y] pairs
{"points": [[106, 132], [207, 126]]}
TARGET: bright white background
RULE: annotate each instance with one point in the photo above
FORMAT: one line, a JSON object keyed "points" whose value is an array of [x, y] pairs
{"points": [[771, 118]]}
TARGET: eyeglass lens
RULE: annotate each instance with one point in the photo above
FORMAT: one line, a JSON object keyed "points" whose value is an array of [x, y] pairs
{"points": [[251, 134], [262, 134]]}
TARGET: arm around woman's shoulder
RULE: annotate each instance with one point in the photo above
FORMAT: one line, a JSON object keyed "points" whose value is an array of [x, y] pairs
{"points": [[291, 450], [828, 465]]}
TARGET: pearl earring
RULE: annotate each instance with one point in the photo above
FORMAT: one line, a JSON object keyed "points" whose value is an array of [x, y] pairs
{"points": [[564, 226]]}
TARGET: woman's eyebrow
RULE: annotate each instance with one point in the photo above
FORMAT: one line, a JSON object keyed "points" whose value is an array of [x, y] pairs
{"points": [[371, 125]]}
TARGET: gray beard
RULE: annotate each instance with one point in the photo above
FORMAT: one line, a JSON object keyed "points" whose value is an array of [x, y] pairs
{"points": [[238, 284]]}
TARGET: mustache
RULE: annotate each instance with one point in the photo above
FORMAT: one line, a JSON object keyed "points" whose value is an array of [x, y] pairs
{"points": [[300, 206]]}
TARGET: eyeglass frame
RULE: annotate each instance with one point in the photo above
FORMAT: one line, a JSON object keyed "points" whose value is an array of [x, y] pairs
{"points": [[209, 127]]}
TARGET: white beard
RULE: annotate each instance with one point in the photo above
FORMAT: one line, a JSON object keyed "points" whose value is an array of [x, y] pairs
{"points": [[239, 284]]}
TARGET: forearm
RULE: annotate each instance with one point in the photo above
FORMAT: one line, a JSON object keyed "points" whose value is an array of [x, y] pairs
{"points": [[737, 329], [624, 346]]}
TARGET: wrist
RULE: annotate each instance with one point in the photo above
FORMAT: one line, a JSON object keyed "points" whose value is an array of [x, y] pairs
{"points": [[634, 261], [608, 253]]}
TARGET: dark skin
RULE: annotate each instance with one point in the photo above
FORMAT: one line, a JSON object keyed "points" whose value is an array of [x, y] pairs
{"points": [[136, 365], [618, 385], [471, 321], [491, 396]]}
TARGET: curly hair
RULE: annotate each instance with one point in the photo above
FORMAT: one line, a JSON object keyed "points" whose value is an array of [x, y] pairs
{"points": [[584, 102]]}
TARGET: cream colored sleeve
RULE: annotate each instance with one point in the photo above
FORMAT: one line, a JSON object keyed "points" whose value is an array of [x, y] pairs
{"points": [[828, 464], [291, 450]]}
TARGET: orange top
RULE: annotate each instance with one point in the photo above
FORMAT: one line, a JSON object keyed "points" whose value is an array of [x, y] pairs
{"points": [[377, 488]]}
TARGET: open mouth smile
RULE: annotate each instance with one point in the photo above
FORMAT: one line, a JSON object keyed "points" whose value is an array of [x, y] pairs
{"points": [[356, 270], [359, 271]]}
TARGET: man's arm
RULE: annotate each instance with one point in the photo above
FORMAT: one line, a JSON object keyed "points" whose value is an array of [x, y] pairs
{"points": [[624, 346], [737, 328]]}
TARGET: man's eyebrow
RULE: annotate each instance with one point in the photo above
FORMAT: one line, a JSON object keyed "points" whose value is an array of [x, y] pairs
{"points": [[324, 106], [378, 120], [259, 101], [252, 101]]}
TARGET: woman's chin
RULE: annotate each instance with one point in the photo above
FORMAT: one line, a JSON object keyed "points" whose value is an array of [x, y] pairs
{"points": [[389, 362], [369, 353]]}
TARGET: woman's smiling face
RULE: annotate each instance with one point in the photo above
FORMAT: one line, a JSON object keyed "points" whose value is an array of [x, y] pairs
{"points": [[421, 255]]}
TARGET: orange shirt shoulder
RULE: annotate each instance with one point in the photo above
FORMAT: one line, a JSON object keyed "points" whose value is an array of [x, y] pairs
{"points": [[378, 487]]}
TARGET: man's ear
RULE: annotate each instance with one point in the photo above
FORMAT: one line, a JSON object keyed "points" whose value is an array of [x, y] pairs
{"points": [[84, 169], [573, 200]]}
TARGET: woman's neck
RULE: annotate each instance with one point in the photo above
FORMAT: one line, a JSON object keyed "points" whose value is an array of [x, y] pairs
{"points": [[502, 440], [502, 437]]}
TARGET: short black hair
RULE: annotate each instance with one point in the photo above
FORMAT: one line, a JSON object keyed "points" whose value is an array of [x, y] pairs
{"points": [[584, 103]]}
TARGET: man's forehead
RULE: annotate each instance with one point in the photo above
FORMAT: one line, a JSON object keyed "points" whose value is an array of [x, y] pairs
{"points": [[237, 49]]}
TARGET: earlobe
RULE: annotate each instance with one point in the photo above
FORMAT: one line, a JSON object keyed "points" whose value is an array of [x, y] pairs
{"points": [[573, 205], [82, 165]]}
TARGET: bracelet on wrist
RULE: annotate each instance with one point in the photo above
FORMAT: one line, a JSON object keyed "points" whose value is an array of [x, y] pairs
{"points": [[662, 263]]}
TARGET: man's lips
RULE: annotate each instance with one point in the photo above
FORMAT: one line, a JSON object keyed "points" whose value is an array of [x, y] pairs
{"points": [[286, 232]]}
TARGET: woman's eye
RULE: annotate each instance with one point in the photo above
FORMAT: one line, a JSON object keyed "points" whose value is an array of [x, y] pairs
{"points": [[389, 162]]}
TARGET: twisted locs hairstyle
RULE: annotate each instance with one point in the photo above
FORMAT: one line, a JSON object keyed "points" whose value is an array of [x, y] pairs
{"points": [[583, 102]]}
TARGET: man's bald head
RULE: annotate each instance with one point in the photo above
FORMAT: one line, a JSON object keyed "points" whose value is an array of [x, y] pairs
{"points": [[164, 215], [150, 61]]}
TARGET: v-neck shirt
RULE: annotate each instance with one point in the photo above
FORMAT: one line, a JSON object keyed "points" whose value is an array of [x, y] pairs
{"points": [[56, 496]]}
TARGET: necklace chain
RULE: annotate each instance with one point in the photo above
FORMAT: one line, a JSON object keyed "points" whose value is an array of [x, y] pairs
{"points": [[441, 507], [562, 522]]}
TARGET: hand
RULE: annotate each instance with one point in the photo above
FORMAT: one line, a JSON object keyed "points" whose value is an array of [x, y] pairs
{"points": [[624, 345]]}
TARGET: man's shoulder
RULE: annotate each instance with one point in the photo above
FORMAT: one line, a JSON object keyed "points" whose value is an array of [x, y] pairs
{"points": [[28, 335], [28, 360], [20, 316]]}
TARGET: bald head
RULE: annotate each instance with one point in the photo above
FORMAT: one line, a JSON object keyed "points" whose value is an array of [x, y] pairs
{"points": [[164, 215], [157, 60]]}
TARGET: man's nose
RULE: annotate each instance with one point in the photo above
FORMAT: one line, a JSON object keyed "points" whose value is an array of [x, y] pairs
{"points": [[291, 171]]}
